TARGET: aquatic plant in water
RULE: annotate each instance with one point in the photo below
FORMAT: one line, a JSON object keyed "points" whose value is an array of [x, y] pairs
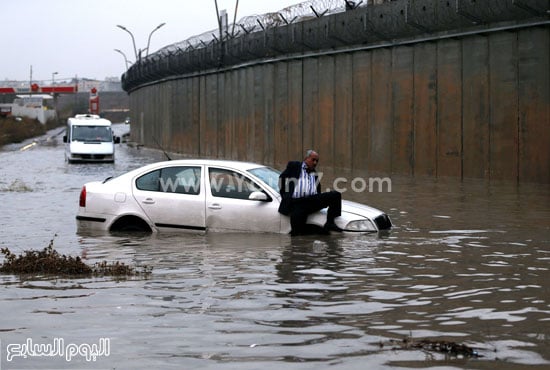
{"points": [[441, 346], [49, 261]]}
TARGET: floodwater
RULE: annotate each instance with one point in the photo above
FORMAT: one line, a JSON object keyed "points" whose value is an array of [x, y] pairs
{"points": [[467, 262]]}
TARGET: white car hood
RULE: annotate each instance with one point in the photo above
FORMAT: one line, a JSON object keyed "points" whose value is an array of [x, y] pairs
{"points": [[360, 210], [351, 211]]}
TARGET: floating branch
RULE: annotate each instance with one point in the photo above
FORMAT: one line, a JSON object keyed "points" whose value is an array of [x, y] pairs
{"points": [[440, 346], [48, 261]]}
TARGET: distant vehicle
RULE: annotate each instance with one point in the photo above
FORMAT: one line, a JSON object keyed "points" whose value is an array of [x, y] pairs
{"points": [[5, 110], [89, 138], [203, 195]]}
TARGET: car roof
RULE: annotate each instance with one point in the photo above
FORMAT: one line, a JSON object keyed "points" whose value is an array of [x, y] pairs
{"points": [[239, 165], [88, 120]]}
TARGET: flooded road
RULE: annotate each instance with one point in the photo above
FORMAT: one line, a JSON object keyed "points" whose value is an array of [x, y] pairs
{"points": [[466, 262]]}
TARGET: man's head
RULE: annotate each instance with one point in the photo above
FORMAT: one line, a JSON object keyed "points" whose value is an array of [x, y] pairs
{"points": [[311, 159]]}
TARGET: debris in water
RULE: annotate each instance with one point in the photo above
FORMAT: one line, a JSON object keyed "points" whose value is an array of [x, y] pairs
{"points": [[49, 261], [440, 346]]}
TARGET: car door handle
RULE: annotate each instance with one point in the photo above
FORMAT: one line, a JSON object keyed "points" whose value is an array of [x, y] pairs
{"points": [[215, 206], [148, 201]]}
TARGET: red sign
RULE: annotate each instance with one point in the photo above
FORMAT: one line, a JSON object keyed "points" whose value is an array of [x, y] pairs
{"points": [[59, 89], [94, 104]]}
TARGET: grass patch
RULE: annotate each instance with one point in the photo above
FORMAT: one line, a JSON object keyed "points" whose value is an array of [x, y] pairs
{"points": [[17, 129], [13, 130], [49, 262]]}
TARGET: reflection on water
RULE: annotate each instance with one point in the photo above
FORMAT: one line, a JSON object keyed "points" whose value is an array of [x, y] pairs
{"points": [[466, 262]]}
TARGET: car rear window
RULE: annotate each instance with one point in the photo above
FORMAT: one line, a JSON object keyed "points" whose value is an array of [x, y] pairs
{"points": [[178, 179]]}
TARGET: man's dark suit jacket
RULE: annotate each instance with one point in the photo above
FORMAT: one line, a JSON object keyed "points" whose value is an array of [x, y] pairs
{"points": [[287, 182]]}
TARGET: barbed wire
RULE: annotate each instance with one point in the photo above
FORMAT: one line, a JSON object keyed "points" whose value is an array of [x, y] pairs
{"points": [[255, 23], [327, 24]]}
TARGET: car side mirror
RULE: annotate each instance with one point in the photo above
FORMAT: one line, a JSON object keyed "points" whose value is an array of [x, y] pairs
{"points": [[64, 138], [258, 195], [116, 139]]}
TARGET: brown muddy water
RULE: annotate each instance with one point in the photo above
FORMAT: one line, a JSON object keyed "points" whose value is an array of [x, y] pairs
{"points": [[467, 262]]}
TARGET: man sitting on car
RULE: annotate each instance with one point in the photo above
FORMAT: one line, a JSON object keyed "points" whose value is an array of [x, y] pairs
{"points": [[300, 189]]}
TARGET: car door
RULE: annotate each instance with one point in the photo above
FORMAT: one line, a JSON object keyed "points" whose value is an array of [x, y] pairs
{"points": [[172, 197], [228, 206]]}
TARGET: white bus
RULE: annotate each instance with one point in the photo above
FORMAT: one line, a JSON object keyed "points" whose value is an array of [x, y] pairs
{"points": [[89, 138]]}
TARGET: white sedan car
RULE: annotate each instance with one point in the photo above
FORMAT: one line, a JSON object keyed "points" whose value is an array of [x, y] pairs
{"points": [[201, 195]]}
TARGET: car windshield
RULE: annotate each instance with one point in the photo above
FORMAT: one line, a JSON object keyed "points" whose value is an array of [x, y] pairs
{"points": [[268, 175], [92, 133]]}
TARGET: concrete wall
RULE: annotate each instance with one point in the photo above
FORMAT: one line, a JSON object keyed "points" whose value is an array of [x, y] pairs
{"points": [[113, 105], [417, 87], [471, 107]]}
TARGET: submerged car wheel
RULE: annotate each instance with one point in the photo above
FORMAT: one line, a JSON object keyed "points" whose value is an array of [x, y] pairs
{"points": [[130, 223]]}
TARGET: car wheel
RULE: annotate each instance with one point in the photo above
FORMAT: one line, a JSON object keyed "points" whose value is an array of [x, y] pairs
{"points": [[131, 224]]}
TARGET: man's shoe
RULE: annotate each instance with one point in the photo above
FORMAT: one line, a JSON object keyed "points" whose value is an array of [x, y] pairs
{"points": [[331, 226]]}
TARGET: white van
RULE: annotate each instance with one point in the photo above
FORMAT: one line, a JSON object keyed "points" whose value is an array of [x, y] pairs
{"points": [[89, 138]]}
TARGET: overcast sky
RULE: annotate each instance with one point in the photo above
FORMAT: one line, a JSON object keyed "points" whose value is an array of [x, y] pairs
{"points": [[78, 38]]}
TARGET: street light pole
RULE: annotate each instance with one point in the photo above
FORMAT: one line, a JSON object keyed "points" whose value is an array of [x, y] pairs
{"points": [[149, 39], [131, 35], [124, 55], [54, 95]]}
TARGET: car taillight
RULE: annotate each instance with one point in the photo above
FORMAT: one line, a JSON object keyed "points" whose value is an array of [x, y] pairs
{"points": [[82, 202]]}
